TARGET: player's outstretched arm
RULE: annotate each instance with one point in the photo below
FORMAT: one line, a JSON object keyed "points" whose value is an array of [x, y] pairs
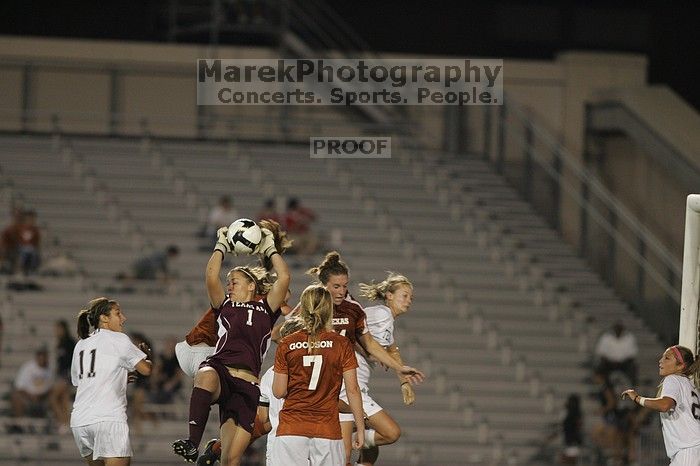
{"points": [[278, 292], [412, 374], [215, 289], [267, 250], [661, 404], [409, 396]]}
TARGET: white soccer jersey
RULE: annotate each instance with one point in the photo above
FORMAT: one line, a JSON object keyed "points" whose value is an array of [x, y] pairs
{"points": [[99, 370], [681, 427], [380, 322]]}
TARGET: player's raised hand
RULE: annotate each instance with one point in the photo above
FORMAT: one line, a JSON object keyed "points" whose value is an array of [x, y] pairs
{"points": [[222, 243], [409, 396], [266, 247], [412, 375]]}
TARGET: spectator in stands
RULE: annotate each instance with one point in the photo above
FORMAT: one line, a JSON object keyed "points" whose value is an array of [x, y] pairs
{"points": [[32, 386], [153, 267], [617, 350], [573, 430], [298, 220], [8, 242], [268, 211], [60, 397], [221, 215], [28, 243], [166, 380], [606, 433]]}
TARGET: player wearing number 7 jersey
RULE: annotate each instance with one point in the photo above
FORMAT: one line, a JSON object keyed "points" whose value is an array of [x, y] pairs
{"points": [[350, 320], [101, 363], [310, 366], [678, 404]]}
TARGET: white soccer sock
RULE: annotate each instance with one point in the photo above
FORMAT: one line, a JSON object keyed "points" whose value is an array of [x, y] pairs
{"points": [[369, 438]]}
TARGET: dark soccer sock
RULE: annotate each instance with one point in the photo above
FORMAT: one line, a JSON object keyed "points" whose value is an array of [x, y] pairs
{"points": [[200, 404]]}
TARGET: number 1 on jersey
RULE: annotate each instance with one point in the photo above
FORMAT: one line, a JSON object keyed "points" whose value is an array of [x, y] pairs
{"points": [[250, 317], [316, 361]]}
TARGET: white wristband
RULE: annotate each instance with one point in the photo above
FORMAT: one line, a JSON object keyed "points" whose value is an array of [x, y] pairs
{"points": [[641, 401]]}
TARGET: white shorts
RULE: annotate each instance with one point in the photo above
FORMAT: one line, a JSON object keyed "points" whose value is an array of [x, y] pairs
{"points": [[295, 450], [190, 357], [687, 457], [369, 406], [103, 440], [269, 447]]}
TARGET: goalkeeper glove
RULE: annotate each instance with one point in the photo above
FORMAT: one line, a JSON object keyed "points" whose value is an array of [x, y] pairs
{"points": [[266, 247], [222, 243]]}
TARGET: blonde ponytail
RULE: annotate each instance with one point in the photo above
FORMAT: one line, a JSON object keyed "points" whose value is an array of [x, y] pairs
{"points": [[316, 312]]}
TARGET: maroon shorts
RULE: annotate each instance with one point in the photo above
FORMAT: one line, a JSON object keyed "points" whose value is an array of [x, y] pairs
{"points": [[238, 399]]}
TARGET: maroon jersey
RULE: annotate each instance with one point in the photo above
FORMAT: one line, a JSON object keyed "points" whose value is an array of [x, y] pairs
{"points": [[244, 333], [349, 319]]}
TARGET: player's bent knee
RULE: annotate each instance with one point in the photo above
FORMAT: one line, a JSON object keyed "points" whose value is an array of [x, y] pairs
{"points": [[206, 378], [393, 434]]}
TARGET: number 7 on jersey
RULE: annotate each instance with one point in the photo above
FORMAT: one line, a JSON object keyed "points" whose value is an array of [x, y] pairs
{"points": [[316, 361]]}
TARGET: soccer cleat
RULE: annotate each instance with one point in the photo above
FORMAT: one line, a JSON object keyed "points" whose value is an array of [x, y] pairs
{"points": [[186, 449], [210, 455]]}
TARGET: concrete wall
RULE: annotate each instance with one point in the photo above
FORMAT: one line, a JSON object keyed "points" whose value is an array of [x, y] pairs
{"points": [[88, 82], [84, 81]]}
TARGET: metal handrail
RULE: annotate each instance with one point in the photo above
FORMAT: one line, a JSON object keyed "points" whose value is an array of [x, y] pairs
{"points": [[610, 201], [605, 224], [684, 167]]}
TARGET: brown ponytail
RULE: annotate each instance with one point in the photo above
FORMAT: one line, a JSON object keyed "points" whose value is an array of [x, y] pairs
{"points": [[331, 265], [90, 317]]}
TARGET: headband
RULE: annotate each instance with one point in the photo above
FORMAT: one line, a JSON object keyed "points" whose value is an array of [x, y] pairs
{"points": [[677, 353], [248, 274]]}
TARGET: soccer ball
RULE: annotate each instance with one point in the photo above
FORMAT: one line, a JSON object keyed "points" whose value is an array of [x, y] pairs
{"points": [[244, 235]]}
